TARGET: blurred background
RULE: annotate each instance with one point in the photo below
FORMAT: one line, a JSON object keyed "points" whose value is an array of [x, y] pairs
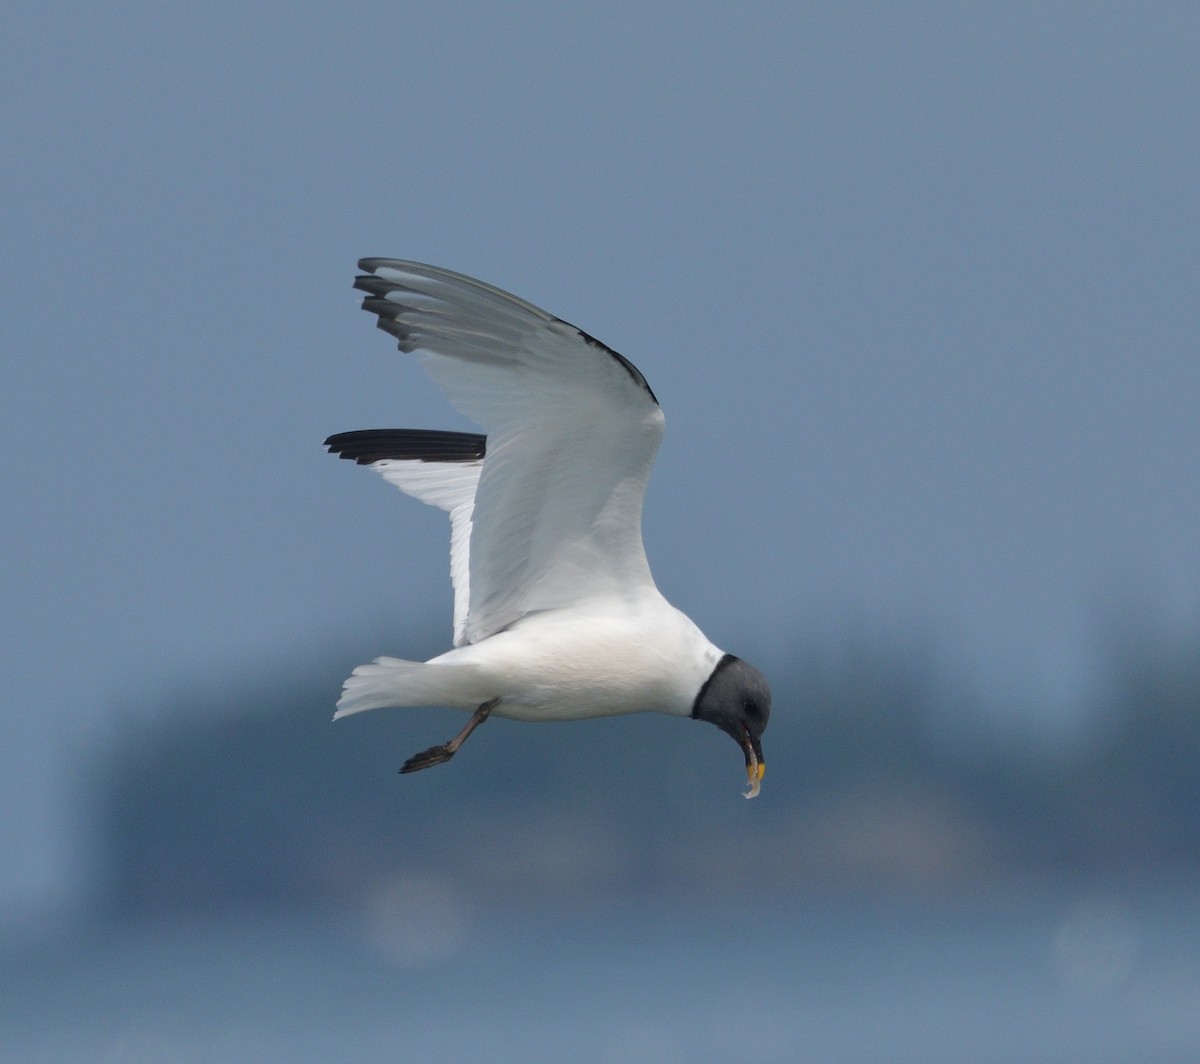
{"points": [[917, 288]]}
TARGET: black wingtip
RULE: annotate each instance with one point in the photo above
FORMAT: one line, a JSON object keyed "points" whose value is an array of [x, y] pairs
{"points": [[370, 265], [394, 328], [388, 311], [385, 308], [375, 286], [367, 446]]}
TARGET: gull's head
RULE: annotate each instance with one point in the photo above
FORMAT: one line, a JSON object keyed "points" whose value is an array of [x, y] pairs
{"points": [[737, 699]]}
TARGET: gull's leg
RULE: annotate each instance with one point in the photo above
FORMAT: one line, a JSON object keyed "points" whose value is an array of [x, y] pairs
{"points": [[435, 755]]}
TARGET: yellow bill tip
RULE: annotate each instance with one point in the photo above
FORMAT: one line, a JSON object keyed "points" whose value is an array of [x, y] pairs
{"points": [[754, 775]]}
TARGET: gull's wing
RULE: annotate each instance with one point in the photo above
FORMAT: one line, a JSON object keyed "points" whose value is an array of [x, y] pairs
{"points": [[439, 468], [572, 431]]}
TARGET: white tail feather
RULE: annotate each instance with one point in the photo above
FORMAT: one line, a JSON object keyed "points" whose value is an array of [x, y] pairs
{"points": [[395, 682]]}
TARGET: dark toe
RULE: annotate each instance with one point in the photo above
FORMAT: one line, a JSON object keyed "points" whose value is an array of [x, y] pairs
{"points": [[435, 755]]}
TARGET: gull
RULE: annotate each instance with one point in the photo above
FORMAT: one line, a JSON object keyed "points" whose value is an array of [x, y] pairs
{"points": [[556, 615]]}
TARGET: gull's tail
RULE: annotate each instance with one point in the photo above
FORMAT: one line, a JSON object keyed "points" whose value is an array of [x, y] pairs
{"points": [[395, 682]]}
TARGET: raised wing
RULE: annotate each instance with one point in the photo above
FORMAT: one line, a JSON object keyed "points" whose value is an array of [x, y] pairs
{"points": [[572, 431], [439, 468]]}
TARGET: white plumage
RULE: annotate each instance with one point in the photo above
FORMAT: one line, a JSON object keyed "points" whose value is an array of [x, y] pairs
{"points": [[556, 615]]}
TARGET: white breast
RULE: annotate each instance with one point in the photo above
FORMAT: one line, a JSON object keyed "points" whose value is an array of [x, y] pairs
{"points": [[596, 659]]}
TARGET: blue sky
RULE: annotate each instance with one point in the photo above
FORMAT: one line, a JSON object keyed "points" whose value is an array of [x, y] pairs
{"points": [[916, 286]]}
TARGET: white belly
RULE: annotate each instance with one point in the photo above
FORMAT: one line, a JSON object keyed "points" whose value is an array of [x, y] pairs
{"points": [[605, 660]]}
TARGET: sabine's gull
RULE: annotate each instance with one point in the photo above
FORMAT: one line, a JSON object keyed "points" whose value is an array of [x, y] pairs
{"points": [[556, 615]]}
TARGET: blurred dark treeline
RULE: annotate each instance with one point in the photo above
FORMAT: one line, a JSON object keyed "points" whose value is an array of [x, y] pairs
{"points": [[880, 777]]}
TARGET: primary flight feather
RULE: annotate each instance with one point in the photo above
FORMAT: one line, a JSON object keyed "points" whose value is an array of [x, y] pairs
{"points": [[556, 615]]}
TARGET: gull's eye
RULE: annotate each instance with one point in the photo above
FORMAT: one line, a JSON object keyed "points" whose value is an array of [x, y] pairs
{"points": [[750, 708]]}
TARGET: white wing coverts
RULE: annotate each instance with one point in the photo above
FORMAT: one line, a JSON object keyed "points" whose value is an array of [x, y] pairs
{"points": [[439, 468], [547, 512]]}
